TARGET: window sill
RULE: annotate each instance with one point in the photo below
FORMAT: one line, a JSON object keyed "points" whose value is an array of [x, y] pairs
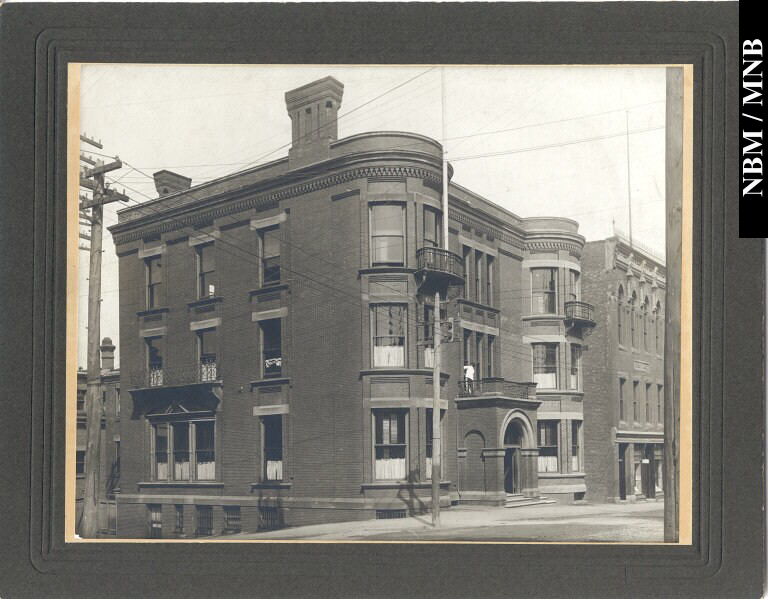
{"points": [[377, 269], [187, 484], [267, 288], [401, 371], [561, 475], [267, 382], [152, 311], [273, 484], [204, 301]]}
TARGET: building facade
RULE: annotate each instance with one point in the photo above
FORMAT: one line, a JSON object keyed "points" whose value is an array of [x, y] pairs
{"points": [[277, 346], [108, 475], [624, 371]]}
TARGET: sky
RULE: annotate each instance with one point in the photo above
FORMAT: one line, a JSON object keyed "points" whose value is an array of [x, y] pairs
{"points": [[538, 141]]}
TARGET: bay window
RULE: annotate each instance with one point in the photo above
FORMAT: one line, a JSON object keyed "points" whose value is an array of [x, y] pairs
{"points": [[575, 446], [387, 222], [388, 326], [575, 372], [183, 450], [545, 365], [390, 444], [543, 290]]}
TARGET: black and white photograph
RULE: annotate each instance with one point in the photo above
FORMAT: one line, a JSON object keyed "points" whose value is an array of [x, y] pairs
{"points": [[415, 303]]}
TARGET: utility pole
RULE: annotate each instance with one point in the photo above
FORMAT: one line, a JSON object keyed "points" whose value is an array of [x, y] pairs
{"points": [[93, 179]]}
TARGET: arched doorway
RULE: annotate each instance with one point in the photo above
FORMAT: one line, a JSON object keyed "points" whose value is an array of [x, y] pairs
{"points": [[513, 442]]}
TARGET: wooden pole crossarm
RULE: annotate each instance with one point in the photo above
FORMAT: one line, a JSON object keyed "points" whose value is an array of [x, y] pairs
{"points": [[90, 141], [104, 168], [84, 236], [87, 159], [87, 183]]}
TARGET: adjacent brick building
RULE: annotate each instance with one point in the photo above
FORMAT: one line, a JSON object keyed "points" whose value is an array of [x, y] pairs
{"points": [[276, 348], [624, 371], [108, 476]]}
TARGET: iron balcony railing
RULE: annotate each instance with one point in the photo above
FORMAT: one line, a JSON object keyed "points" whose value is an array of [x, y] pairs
{"points": [[579, 311], [432, 259], [496, 386], [205, 371]]}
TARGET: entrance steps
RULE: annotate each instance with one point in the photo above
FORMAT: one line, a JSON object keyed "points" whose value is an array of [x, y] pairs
{"points": [[520, 500]]}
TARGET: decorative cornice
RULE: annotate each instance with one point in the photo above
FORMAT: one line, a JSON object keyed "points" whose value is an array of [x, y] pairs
{"points": [[144, 226], [573, 248], [487, 230]]}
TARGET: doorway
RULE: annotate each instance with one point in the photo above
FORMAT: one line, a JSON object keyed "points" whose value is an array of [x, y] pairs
{"points": [[622, 470], [511, 470]]}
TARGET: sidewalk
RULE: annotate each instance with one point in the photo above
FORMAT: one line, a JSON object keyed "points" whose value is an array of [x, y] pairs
{"points": [[632, 522]]}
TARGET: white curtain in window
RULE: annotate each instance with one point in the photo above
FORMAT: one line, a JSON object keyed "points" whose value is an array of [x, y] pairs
{"points": [[547, 463], [162, 470], [574, 463], [428, 469], [429, 357], [545, 380], [206, 470], [390, 468], [181, 470], [274, 469], [385, 355]]}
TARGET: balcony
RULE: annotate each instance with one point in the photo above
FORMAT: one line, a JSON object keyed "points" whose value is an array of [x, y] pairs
{"points": [[579, 315], [440, 267], [197, 387], [496, 387]]}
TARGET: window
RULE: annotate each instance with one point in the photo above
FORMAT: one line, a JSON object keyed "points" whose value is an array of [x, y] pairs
{"points": [[154, 282], [184, 450], [388, 335], [432, 228], [660, 401], [232, 518], [479, 277], [648, 406], [427, 330], [205, 452], [272, 442], [575, 376], [489, 359], [545, 365], [387, 235], [634, 401], [633, 318], [271, 348], [479, 355], [620, 314], [204, 520], [270, 256], [544, 290], [621, 399], [574, 285], [659, 329], [179, 529], [467, 256], [389, 445], [117, 401], [80, 462], [155, 521], [645, 317], [489, 280], [154, 360], [206, 270], [548, 445], [207, 345], [575, 445], [81, 400]]}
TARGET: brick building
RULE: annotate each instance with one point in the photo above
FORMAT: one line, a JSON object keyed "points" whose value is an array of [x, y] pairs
{"points": [[624, 371], [276, 351], [108, 477]]}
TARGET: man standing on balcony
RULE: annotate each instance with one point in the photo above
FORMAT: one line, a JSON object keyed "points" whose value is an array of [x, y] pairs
{"points": [[469, 376]]}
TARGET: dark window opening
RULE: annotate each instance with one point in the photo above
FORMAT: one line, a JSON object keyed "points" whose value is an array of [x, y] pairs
{"points": [[206, 270], [547, 430], [204, 520], [154, 281], [272, 427], [390, 445], [271, 348], [270, 256], [388, 335], [207, 343]]}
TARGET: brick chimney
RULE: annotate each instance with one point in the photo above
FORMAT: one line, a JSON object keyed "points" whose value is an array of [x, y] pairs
{"points": [[167, 182], [313, 109], [107, 354]]}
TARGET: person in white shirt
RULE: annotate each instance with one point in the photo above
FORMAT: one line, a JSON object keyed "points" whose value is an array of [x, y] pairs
{"points": [[469, 376]]}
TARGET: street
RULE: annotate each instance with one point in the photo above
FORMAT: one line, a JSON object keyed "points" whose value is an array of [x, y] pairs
{"points": [[631, 522]]}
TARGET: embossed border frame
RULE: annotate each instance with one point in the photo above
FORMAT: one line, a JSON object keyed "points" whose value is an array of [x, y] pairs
{"points": [[726, 557]]}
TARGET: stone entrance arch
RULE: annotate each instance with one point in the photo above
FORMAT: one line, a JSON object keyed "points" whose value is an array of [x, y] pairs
{"points": [[520, 454]]}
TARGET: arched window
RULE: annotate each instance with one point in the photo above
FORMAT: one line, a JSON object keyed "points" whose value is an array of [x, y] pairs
{"points": [[646, 305], [619, 315]]}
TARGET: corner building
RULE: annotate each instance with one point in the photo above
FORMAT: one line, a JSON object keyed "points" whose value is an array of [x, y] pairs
{"points": [[624, 371], [277, 350]]}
